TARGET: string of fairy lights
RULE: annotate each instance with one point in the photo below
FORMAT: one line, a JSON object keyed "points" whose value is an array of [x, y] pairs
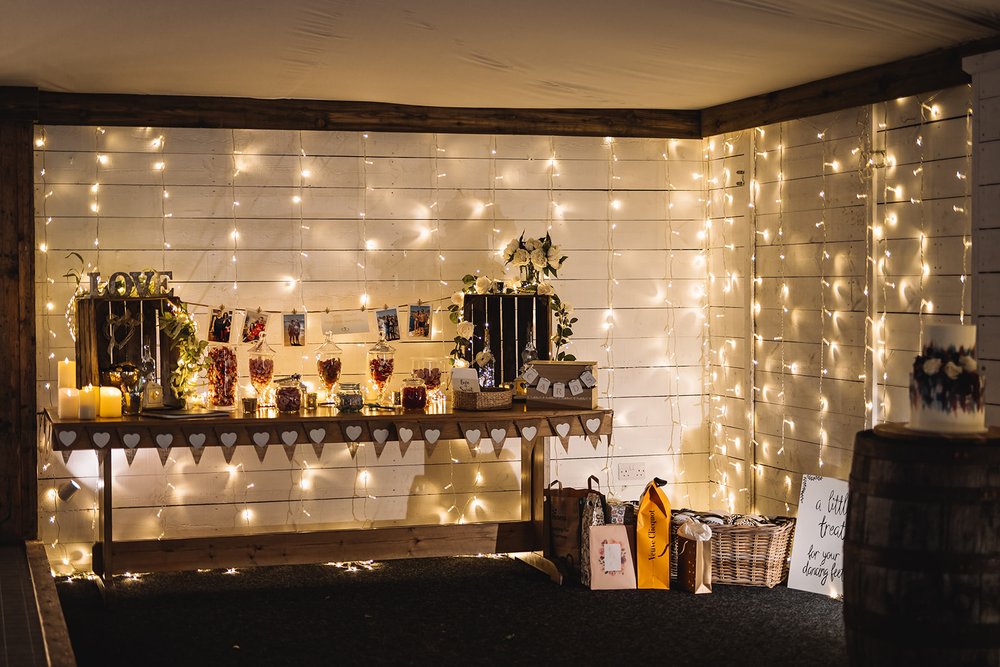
{"points": [[723, 267]]}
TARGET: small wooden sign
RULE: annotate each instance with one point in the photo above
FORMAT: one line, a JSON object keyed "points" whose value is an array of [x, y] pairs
{"points": [[560, 384], [818, 546]]}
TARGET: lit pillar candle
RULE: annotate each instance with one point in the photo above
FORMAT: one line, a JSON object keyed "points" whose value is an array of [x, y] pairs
{"points": [[111, 402], [90, 397], [69, 403], [67, 374]]}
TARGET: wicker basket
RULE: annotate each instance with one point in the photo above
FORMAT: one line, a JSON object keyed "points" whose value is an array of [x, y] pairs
{"points": [[487, 399], [746, 555]]}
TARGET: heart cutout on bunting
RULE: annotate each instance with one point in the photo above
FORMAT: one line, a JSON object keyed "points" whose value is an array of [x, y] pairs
{"points": [[529, 432], [317, 435], [380, 435], [196, 440], [592, 425], [67, 438], [164, 440], [405, 434], [498, 436], [289, 437], [473, 435], [562, 429], [131, 440], [261, 438], [228, 439], [353, 432], [431, 435], [101, 439]]}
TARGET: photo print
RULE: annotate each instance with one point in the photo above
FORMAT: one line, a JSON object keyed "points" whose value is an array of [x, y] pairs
{"points": [[388, 323], [420, 321], [254, 327], [220, 326], [293, 330]]}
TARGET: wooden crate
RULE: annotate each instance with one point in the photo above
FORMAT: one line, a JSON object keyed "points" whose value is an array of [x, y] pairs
{"points": [[563, 372], [509, 317], [95, 353]]}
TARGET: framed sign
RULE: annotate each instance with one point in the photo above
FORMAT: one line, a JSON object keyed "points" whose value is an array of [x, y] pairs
{"points": [[818, 546]]}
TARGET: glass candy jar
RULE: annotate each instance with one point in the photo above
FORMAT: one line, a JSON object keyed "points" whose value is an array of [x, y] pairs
{"points": [[261, 369], [223, 376], [349, 398], [328, 365], [381, 363], [432, 371], [288, 397], [414, 394]]}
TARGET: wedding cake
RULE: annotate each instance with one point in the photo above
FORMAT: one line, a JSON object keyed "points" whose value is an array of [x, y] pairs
{"points": [[946, 389]]}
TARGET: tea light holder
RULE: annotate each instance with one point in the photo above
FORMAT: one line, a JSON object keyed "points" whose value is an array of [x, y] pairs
{"points": [[249, 405]]}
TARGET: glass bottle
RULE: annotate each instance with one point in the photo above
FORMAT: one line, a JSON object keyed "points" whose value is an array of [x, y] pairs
{"points": [[152, 393], [432, 371], [414, 394], [288, 396], [349, 398], [328, 366], [261, 369], [485, 364], [381, 363], [223, 376]]}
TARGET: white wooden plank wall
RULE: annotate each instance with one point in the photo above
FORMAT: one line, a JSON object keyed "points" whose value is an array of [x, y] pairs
{"points": [[923, 243], [985, 71], [629, 213], [727, 185]]}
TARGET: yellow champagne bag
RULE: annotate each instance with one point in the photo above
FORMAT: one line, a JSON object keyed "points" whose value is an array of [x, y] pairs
{"points": [[652, 536]]}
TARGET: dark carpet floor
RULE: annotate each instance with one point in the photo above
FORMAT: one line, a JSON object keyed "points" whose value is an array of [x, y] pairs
{"points": [[451, 611]]}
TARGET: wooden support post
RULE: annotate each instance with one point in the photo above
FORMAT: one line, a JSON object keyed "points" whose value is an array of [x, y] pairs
{"points": [[18, 458]]}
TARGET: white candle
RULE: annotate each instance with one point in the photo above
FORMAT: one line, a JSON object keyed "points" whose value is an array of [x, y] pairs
{"points": [[90, 397], [111, 402], [69, 403], [67, 374]]}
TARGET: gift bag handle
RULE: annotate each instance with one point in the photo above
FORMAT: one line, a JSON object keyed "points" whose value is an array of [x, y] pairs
{"points": [[592, 480], [553, 484]]}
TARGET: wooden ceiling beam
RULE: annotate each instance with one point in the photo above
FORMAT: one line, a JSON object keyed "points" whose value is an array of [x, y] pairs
{"points": [[901, 78]]}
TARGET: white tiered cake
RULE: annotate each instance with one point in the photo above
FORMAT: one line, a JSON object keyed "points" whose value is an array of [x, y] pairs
{"points": [[946, 389]]}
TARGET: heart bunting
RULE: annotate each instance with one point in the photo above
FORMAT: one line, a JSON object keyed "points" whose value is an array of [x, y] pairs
{"points": [[592, 427], [197, 442], [353, 434], [499, 432], [260, 440], [318, 437], [431, 435], [288, 439], [528, 430], [66, 453], [380, 436], [405, 432], [473, 432], [562, 427], [164, 441]]}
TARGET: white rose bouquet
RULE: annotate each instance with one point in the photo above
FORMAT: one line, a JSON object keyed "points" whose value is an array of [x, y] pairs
{"points": [[536, 258]]}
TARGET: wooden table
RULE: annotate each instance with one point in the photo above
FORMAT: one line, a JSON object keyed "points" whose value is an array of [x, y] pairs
{"points": [[325, 425]]}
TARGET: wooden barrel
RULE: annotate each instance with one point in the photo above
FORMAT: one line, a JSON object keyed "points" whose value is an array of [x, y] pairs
{"points": [[922, 551]]}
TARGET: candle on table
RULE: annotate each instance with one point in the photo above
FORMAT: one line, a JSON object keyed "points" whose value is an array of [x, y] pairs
{"points": [[90, 397], [69, 403], [111, 402], [67, 374]]}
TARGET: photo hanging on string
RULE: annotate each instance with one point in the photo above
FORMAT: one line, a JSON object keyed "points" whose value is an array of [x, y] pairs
{"points": [[293, 331], [420, 321], [388, 323], [254, 327], [220, 326]]}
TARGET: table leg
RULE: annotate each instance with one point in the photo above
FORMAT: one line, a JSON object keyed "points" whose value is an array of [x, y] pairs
{"points": [[105, 528], [534, 473]]}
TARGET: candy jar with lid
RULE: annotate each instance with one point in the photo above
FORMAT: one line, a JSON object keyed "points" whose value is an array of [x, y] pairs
{"points": [[328, 366], [349, 398], [414, 394], [261, 369], [381, 363], [288, 396], [223, 376]]}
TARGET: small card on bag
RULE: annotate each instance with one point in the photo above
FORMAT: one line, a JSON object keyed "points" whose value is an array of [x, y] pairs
{"points": [[612, 557]]}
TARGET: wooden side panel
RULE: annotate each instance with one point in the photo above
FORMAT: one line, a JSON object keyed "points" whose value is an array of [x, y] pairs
{"points": [[18, 495]]}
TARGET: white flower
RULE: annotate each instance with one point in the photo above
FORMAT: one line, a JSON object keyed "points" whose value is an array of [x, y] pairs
{"points": [[968, 363], [465, 330], [545, 288], [538, 259], [951, 370], [521, 257], [531, 245], [458, 299], [508, 252], [553, 256], [483, 358], [483, 284], [932, 366]]}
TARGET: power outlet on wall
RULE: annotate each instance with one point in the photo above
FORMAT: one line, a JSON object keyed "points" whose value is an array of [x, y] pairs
{"points": [[632, 472]]}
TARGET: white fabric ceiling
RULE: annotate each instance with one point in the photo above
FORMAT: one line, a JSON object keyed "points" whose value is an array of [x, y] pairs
{"points": [[682, 54]]}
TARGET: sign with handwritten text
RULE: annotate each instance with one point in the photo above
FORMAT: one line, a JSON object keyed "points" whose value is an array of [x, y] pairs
{"points": [[818, 548]]}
